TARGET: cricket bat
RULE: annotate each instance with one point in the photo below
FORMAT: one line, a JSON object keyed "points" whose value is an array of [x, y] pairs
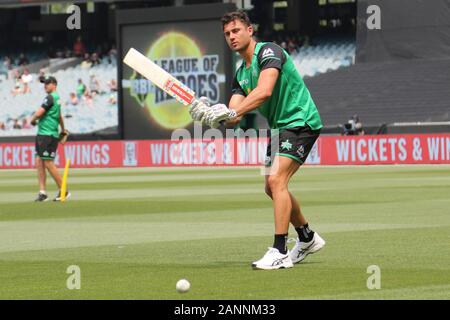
{"points": [[160, 77]]}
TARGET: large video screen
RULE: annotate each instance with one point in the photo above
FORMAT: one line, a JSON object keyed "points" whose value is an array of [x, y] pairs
{"points": [[194, 52]]}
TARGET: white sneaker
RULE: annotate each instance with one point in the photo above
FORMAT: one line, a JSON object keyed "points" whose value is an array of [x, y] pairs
{"points": [[302, 249], [273, 259]]}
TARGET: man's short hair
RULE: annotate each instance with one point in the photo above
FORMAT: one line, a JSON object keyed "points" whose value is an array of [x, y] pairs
{"points": [[236, 15]]}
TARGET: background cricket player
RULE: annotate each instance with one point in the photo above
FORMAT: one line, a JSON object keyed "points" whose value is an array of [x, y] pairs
{"points": [[269, 81], [50, 118]]}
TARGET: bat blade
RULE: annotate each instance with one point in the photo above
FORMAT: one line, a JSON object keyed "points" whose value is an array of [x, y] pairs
{"points": [[159, 77]]}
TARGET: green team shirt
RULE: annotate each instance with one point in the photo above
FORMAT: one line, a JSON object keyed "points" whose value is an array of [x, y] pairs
{"points": [[49, 122], [80, 89], [291, 104]]}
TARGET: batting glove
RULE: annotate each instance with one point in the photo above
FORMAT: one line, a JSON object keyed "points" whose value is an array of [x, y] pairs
{"points": [[199, 107], [217, 114]]}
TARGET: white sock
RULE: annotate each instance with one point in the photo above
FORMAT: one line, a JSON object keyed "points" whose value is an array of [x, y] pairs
{"points": [[42, 191]]}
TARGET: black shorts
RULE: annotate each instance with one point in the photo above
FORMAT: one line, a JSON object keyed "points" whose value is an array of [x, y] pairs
{"points": [[294, 143], [46, 147]]}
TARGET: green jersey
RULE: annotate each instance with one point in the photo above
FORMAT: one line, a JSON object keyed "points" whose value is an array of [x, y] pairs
{"points": [[49, 122], [290, 104], [81, 88]]}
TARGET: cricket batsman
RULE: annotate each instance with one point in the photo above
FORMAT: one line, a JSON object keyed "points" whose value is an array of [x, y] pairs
{"points": [[268, 81], [48, 118]]}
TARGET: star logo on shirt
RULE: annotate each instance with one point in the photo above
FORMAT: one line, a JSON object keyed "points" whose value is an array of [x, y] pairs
{"points": [[286, 145]]}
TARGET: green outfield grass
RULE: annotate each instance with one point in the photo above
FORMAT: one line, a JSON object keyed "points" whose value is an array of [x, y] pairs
{"points": [[135, 232]]}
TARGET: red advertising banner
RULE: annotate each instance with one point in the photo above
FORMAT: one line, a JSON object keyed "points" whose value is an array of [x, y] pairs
{"points": [[328, 150], [386, 149]]}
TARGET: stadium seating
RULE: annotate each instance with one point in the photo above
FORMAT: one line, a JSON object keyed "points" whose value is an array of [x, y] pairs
{"points": [[383, 93], [313, 60], [79, 119]]}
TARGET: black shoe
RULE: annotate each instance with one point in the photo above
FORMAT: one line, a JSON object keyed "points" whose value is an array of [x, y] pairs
{"points": [[41, 197], [58, 197]]}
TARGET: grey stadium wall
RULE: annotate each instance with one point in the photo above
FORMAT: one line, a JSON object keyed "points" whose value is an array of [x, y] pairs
{"points": [[410, 29]]}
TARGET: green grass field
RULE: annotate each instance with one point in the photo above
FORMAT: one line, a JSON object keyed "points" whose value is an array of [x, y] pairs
{"points": [[135, 232]]}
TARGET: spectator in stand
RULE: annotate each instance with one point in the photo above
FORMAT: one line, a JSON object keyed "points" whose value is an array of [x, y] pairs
{"points": [[15, 75], [112, 99], [41, 73], [26, 123], [112, 84], [73, 100], [87, 97], [26, 80], [17, 124], [7, 63], [87, 63], [113, 51], [16, 91], [23, 60], [9, 124], [112, 54], [292, 46], [94, 85], [79, 49], [95, 59], [81, 89], [6, 66]]}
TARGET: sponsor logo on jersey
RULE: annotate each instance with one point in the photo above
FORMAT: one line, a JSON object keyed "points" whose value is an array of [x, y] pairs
{"points": [[301, 151], [268, 53], [243, 82]]}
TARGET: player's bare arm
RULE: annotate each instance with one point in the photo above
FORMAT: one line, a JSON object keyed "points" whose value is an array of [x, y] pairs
{"points": [[260, 94], [236, 99], [37, 115], [61, 123], [240, 106]]}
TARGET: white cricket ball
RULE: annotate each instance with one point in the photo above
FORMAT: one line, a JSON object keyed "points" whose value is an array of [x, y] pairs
{"points": [[183, 286]]}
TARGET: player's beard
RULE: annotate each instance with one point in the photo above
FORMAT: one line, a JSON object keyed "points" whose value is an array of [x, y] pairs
{"points": [[243, 48]]}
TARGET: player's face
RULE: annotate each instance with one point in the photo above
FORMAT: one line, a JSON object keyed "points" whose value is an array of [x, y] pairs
{"points": [[49, 87], [238, 35]]}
